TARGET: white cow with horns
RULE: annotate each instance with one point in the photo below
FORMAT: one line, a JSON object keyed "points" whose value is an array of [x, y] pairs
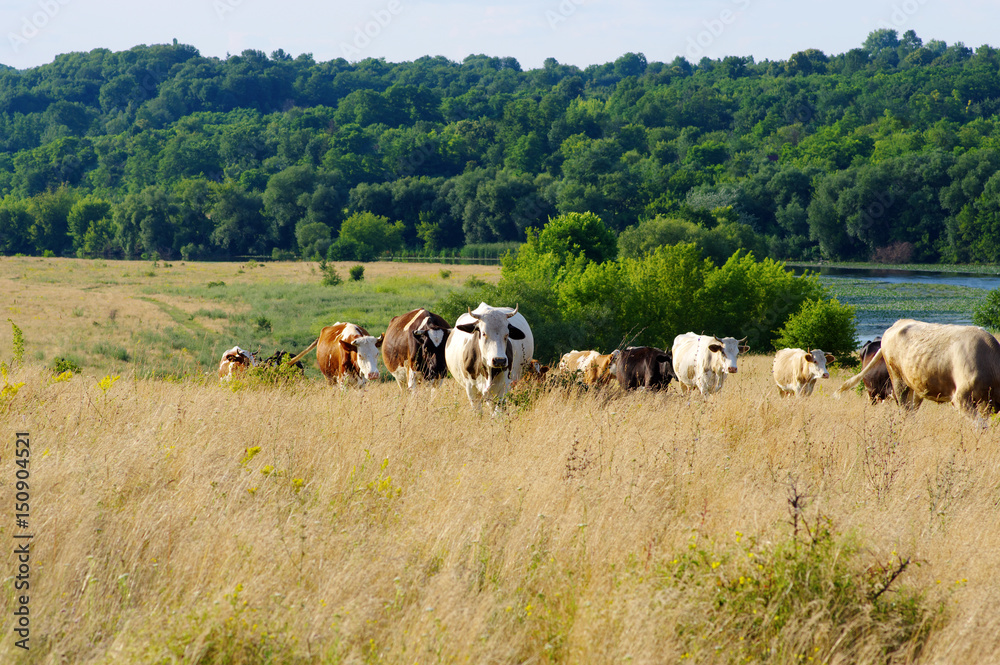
{"points": [[703, 361], [487, 350]]}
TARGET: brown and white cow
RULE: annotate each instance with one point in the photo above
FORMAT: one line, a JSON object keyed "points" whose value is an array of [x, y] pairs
{"points": [[594, 368], [414, 348], [939, 362], [534, 370], [345, 352], [877, 381], [702, 361], [796, 370], [487, 350], [235, 361]]}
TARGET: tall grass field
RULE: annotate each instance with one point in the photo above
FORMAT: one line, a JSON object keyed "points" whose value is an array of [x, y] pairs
{"points": [[178, 520]]}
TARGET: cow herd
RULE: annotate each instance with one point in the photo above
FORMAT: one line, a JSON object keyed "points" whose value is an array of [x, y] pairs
{"points": [[489, 349]]}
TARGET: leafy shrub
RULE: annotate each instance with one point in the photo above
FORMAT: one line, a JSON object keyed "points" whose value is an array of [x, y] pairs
{"points": [[60, 365], [577, 233], [822, 324], [357, 273], [345, 249], [987, 312], [263, 324], [370, 234], [282, 255], [809, 597], [571, 302], [212, 285], [330, 276], [445, 274]]}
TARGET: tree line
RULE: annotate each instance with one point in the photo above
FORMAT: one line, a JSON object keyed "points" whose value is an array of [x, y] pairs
{"points": [[890, 151]]}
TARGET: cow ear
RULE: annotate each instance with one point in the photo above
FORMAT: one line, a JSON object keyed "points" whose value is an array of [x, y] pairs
{"points": [[378, 342], [809, 358], [830, 357], [467, 328], [348, 346], [714, 348], [420, 334], [515, 333], [663, 358]]}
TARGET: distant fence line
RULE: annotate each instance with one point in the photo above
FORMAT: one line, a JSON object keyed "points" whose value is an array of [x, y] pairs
{"points": [[453, 260], [456, 260]]}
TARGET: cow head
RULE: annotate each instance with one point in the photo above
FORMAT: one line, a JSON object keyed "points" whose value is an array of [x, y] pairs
{"points": [[817, 360], [363, 352], [535, 370], [727, 349], [427, 352], [492, 333]]}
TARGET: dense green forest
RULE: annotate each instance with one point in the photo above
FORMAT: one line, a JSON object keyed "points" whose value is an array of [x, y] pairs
{"points": [[890, 151]]}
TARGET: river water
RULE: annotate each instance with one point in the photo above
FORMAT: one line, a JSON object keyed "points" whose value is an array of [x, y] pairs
{"points": [[873, 321]]}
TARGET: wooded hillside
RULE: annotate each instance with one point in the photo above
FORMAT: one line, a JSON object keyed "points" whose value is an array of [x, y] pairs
{"points": [[888, 151]]}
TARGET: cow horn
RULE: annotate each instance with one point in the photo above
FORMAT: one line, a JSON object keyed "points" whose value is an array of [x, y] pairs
{"points": [[514, 312], [474, 315]]}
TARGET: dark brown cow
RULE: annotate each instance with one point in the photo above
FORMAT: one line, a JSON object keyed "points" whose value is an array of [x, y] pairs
{"points": [[644, 367], [877, 381], [414, 348], [345, 351]]}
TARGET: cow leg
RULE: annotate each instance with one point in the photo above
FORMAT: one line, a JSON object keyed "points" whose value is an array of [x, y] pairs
{"points": [[475, 397], [411, 379], [807, 389]]}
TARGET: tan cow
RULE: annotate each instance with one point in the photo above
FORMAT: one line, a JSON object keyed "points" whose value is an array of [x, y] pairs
{"points": [[345, 352], [235, 361], [577, 361], [939, 362], [796, 371], [595, 369]]}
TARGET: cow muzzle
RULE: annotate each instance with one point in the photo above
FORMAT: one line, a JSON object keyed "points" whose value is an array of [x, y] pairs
{"points": [[372, 375], [826, 375], [498, 363], [732, 370]]}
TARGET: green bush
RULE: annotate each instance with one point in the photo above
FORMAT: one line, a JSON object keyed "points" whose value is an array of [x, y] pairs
{"points": [[571, 302], [357, 273], [60, 365], [821, 324], [987, 313], [812, 596], [369, 234], [329, 273]]}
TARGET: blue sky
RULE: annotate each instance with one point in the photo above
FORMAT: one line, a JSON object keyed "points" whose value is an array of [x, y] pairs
{"points": [[579, 32]]}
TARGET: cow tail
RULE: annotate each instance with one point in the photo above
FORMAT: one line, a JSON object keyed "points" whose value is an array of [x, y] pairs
{"points": [[302, 355], [856, 379]]}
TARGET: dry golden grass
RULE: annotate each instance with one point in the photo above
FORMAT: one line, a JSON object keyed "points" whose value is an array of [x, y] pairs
{"points": [[187, 522]]}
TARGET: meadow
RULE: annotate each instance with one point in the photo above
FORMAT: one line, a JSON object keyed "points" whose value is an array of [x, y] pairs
{"points": [[177, 520]]}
